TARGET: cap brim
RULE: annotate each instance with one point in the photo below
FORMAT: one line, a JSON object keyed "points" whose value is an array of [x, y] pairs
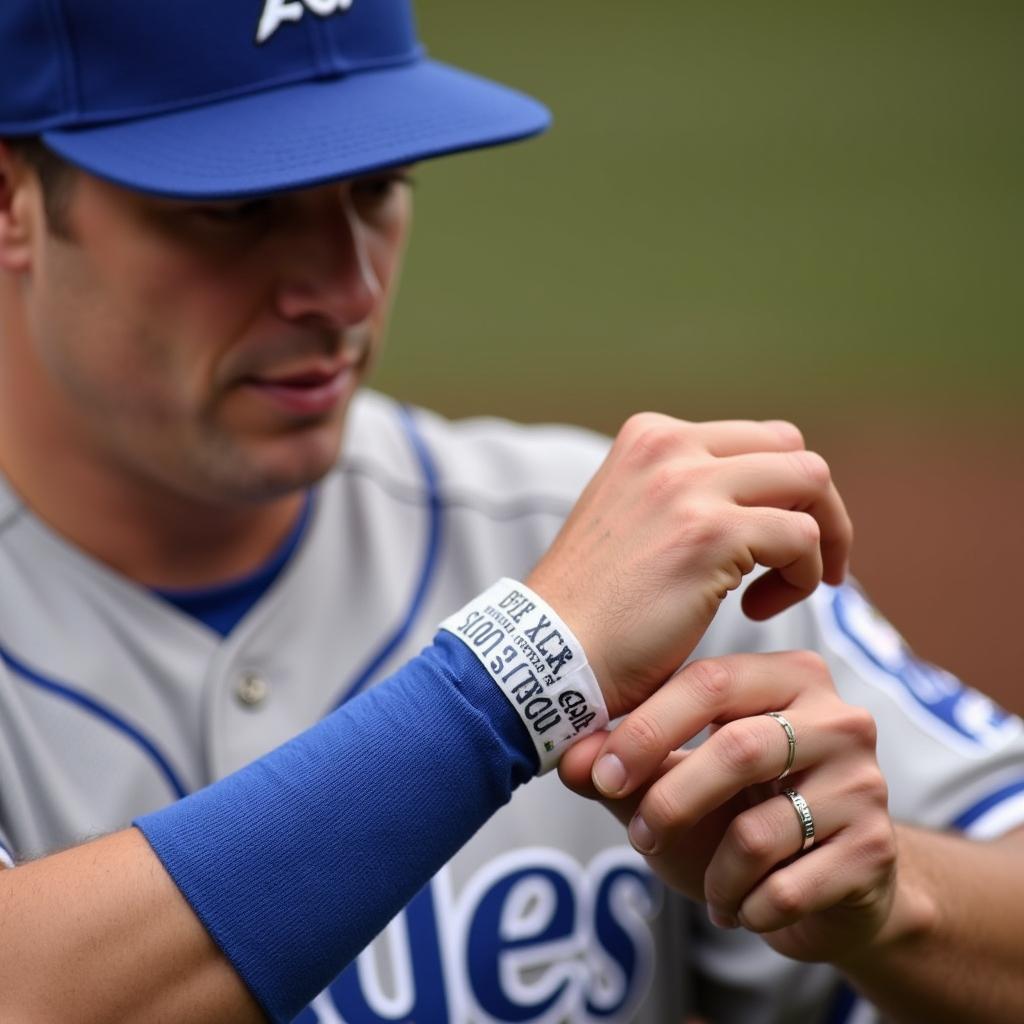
{"points": [[305, 134]]}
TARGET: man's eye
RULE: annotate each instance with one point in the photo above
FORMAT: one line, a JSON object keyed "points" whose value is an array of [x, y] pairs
{"points": [[234, 213]]}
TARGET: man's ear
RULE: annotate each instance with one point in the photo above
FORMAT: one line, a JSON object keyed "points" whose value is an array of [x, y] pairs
{"points": [[20, 208]]}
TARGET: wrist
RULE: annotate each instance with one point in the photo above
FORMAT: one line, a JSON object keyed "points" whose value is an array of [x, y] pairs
{"points": [[913, 916], [537, 662], [548, 590]]}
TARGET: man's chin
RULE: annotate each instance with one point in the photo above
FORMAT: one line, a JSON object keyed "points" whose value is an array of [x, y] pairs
{"points": [[282, 467]]}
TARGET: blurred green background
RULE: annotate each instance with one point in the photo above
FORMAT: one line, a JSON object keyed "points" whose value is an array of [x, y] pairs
{"points": [[803, 210]]}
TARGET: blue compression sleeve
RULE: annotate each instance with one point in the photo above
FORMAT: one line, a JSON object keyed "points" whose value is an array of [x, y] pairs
{"points": [[298, 860]]}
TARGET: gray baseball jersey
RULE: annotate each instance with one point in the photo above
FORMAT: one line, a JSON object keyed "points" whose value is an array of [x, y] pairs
{"points": [[114, 702]]}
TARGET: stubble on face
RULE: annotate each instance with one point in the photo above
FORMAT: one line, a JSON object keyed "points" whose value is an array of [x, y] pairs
{"points": [[153, 326]]}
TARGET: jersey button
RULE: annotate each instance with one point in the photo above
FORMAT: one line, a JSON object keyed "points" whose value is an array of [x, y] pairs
{"points": [[252, 690]]}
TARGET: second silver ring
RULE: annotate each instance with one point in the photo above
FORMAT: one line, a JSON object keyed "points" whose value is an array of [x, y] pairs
{"points": [[806, 819]]}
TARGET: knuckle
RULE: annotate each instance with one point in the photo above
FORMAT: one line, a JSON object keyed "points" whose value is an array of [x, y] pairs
{"points": [[858, 724], [660, 810], [868, 783], [642, 734], [740, 748], [635, 425], [813, 466], [811, 665], [878, 847], [701, 525], [712, 681], [714, 894], [752, 838], [784, 896], [809, 527], [650, 436], [664, 483]]}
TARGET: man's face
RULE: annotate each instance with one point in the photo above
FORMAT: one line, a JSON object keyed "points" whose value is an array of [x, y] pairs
{"points": [[213, 348]]}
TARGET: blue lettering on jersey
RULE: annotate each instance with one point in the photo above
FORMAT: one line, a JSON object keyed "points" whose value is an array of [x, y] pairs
{"points": [[527, 919], [418, 982], [625, 901], [533, 937], [974, 720]]}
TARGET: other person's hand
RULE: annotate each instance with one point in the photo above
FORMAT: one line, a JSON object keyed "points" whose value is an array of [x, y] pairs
{"points": [[714, 821]]}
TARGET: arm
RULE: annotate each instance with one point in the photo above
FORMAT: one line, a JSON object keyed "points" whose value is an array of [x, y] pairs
{"points": [[959, 952], [115, 938], [292, 865], [925, 924]]}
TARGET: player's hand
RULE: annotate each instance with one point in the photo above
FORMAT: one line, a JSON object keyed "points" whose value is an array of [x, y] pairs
{"points": [[673, 520], [713, 823]]}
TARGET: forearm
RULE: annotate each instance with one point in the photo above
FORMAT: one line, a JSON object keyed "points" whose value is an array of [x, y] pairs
{"points": [[100, 933], [403, 776], [954, 950]]}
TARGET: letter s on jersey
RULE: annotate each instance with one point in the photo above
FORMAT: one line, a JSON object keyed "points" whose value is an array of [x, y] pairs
{"points": [[534, 937]]}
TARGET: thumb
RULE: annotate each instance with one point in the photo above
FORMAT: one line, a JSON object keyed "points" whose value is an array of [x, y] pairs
{"points": [[576, 772], [577, 762]]}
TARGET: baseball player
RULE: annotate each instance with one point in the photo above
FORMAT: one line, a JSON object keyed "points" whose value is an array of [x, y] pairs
{"points": [[219, 641]]}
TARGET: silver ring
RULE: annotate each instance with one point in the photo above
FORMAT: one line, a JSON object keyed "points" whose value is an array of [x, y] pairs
{"points": [[790, 739], [804, 816]]}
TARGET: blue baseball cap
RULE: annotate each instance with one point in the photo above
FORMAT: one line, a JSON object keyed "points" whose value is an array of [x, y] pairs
{"points": [[215, 99]]}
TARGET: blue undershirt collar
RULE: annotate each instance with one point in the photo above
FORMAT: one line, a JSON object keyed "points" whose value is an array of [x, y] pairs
{"points": [[223, 606]]}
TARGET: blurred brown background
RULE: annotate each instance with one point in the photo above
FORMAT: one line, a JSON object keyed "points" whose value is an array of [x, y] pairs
{"points": [[794, 210]]}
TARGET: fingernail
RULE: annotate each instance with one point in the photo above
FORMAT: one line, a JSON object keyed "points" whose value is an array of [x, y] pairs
{"points": [[641, 836], [720, 919], [609, 774]]}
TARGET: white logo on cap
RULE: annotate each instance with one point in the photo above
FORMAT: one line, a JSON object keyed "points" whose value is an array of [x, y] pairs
{"points": [[277, 12]]}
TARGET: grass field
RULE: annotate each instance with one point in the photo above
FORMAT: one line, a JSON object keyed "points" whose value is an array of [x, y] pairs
{"points": [[796, 209], [802, 210]]}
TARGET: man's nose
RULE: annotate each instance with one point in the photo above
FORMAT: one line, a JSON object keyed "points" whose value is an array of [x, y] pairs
{"points": [[328, 274]]}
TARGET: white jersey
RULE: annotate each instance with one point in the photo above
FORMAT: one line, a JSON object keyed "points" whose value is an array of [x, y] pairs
{"points": [[113, 702]]}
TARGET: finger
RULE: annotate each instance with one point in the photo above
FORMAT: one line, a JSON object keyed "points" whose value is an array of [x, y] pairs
{"points": [[762, 838], [653, 437], [710, 690], [743, 753], [844, 799], [789, 543], [774, 592], [784, 479], [794, 480], [576, 766], [625, 808], [799, 481], [836, 536], [850, 868], [575, 771], [736, 437]]}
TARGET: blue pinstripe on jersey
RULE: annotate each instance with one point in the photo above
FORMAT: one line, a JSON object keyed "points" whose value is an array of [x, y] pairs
{"points": [[93, 707], [972, 814], [433, 547]]}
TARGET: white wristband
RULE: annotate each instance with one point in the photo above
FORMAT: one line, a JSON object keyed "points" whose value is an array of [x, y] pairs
{"points": [[535, 660]]}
